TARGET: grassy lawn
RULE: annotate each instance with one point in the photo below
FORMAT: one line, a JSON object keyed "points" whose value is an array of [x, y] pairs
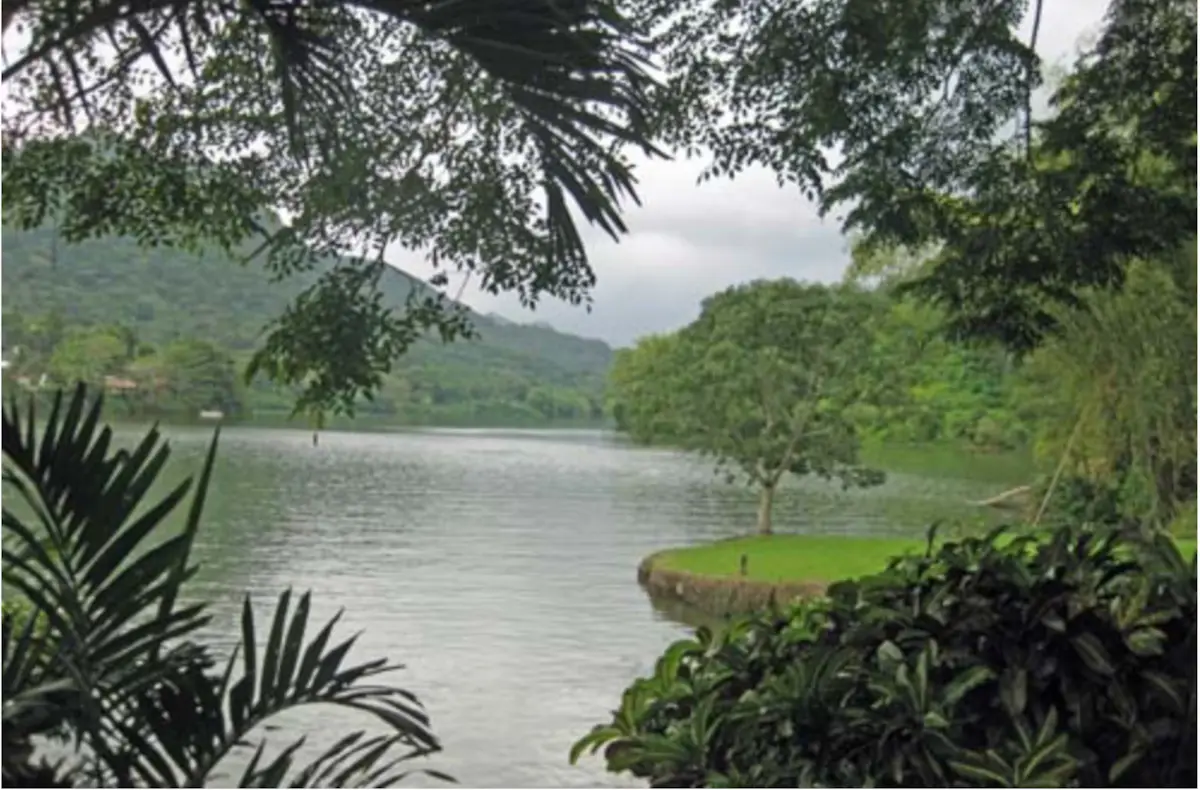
{"points": [[818, 558], [777, 558]]}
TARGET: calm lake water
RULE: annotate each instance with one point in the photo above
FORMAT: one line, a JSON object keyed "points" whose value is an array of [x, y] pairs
{"points": [[499, 566]]}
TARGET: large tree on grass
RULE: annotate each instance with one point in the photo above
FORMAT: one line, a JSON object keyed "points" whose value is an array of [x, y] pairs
{"points": [[760, 383], [474, 132]]}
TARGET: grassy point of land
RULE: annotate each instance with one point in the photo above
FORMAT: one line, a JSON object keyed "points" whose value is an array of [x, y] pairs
{"points": [[802, 558], [782, 558]]}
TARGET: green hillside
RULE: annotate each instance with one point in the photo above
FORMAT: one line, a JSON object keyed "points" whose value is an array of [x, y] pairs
{"points": [[512, 374]]}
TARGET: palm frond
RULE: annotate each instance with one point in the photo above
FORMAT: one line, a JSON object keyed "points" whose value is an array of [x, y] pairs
{"points": [[355, 761], [186, 727], [577, 71], [104, 655], [82, 548], [31, 697], [87, 560]]}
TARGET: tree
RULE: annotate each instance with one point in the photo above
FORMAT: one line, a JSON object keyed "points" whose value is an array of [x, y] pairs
{"points": [[462, 130], [87, 354], [199, 376], [32, 338], [129, 340], [760, 382], [918, 100], [1115, 389], [106, 654], [642, 383]]}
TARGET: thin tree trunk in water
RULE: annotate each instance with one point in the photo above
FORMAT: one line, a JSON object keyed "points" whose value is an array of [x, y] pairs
{"points": [[766, 498], [1062, 464]]}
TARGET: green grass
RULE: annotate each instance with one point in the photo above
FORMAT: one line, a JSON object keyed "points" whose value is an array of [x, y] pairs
{"points": [[778, 558], [803, 558]]}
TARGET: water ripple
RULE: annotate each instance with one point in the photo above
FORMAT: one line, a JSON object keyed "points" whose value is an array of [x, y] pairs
{"points": [[498, 566]]}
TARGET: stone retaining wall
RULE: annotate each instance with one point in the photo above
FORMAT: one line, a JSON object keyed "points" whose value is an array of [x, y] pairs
{"points": [[720, 596]]}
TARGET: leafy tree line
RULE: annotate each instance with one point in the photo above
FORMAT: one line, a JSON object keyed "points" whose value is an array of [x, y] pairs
{"points": [[1109, 397], [780, 377], [186, 375], [1031, 288], [913, 385], [507, 374], [183, 376]]}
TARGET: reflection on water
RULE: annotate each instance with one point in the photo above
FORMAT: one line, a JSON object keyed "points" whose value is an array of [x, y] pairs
{"points": [[498, 566]]}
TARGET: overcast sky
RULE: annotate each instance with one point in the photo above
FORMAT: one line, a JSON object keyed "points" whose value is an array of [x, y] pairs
{"points": [[687, 241]]}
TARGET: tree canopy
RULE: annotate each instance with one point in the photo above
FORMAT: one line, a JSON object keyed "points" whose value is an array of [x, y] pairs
{"points": [[466, 131], [759, 382], [901, 115]]}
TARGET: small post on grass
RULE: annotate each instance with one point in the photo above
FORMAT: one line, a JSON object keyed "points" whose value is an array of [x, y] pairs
{"points": [[745, 563]]}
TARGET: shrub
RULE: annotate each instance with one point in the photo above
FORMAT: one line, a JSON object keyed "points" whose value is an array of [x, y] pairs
{"points": [[1079, 500], [1184, 523], [995, 661], [110, 666]]}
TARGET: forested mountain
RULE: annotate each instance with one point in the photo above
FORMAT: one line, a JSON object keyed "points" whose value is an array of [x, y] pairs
{"points": [[512, 372]]}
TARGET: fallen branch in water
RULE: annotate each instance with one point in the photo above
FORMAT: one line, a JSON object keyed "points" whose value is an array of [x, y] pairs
{"points": [[1005, 498]]}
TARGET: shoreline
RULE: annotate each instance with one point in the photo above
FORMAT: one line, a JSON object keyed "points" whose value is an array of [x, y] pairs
{"points": [[719, 596], [743, 575], [340, 424]]}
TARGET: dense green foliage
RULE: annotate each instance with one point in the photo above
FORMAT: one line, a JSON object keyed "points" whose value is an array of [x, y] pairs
{"points": [[106, 661], [760, 382], [902, 381], [1114, 392], [918, 101], [59, 299], [1108, 402], [918, 386], [467, 131], [1065, 661]]}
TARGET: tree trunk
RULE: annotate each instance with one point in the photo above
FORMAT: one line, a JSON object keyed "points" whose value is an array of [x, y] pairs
{"points": [[766, 499]]}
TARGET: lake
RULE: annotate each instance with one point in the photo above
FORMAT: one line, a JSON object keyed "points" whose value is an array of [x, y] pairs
{"points": [[499, 566]]}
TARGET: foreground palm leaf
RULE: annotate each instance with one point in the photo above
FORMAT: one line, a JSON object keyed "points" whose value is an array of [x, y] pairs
{"points": [[106, 656]]}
